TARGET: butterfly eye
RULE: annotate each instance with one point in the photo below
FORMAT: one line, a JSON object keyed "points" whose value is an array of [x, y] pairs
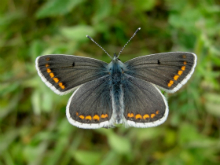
{"points": [[73, 64]]}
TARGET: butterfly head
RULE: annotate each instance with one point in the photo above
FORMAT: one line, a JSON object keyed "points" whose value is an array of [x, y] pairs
{"points": [[116, 66], [115, 58]]}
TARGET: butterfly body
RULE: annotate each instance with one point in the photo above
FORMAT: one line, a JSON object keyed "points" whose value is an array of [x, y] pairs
{"points": [[116, 77]]}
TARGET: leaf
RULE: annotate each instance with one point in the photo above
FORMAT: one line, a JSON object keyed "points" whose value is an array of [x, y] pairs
{"points": [[87, 157], [78, 33], [103, 10], [34, 154], [7, 139], [188, 133], [35, 99], [111, 155], [146, 134], [119, 144], [212, 104], [144, 5], [186, 20], [57, 7]]}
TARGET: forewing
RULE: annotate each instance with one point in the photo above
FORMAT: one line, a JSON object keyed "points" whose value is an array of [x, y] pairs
{"points": [[90, 106], [64, 72], [144, 105], [167, 70]]}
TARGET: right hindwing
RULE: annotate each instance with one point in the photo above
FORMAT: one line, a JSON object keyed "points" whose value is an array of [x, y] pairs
{"points": [[144, 104]]}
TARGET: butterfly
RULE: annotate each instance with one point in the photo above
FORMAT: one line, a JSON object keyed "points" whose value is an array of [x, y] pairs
{"points": [[116, 93]]}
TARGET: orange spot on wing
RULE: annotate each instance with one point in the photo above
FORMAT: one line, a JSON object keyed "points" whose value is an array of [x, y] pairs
{"points": [[61, 85], [184, 56], [175, 77], [48, 70], [47, 65], [47, 59], [184, 62], [183, 67], [138, 116], [96, 117], [56, 80], [77, 113], [81, 117], [152, 115], [180, 72], [51, 75], [130, 115], [89, 117], [170, 83], [104, 116], [157, 112], [146, 116]]}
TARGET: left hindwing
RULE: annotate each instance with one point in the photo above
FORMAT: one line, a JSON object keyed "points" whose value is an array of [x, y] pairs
{"points": [[64, 72], [90, 106], [167, 70]]}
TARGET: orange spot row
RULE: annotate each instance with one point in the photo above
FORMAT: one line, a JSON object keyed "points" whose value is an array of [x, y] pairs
{"points": [[96, 117], [89, 117], [170, 83], [56, 80], [104, 116], [183, 67], [51, 75], [180, 72], [138, 116], [48, 70], [130, 115], [176, 77], [146, 116], [61, 85], [152, 115]]}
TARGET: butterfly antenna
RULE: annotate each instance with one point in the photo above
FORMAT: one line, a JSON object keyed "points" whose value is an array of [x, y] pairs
{"points": [[129, 41], [98, 45]]}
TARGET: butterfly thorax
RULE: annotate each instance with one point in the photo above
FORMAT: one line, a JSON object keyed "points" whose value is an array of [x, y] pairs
{"points": [[116, 70]]}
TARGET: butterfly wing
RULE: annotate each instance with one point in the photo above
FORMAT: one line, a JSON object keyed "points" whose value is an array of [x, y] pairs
{"points": [[167, 70], [90, 106], [64, 72], [144, 105]]}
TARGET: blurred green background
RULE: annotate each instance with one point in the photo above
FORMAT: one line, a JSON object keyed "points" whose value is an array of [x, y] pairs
{"points": [[33, 125]]}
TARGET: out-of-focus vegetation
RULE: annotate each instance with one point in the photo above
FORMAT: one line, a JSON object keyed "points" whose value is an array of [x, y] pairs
{"points": [[33, 126]]}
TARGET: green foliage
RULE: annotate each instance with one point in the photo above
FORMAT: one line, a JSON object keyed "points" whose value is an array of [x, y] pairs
{"points": [[57, 7], [33, 126]]}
